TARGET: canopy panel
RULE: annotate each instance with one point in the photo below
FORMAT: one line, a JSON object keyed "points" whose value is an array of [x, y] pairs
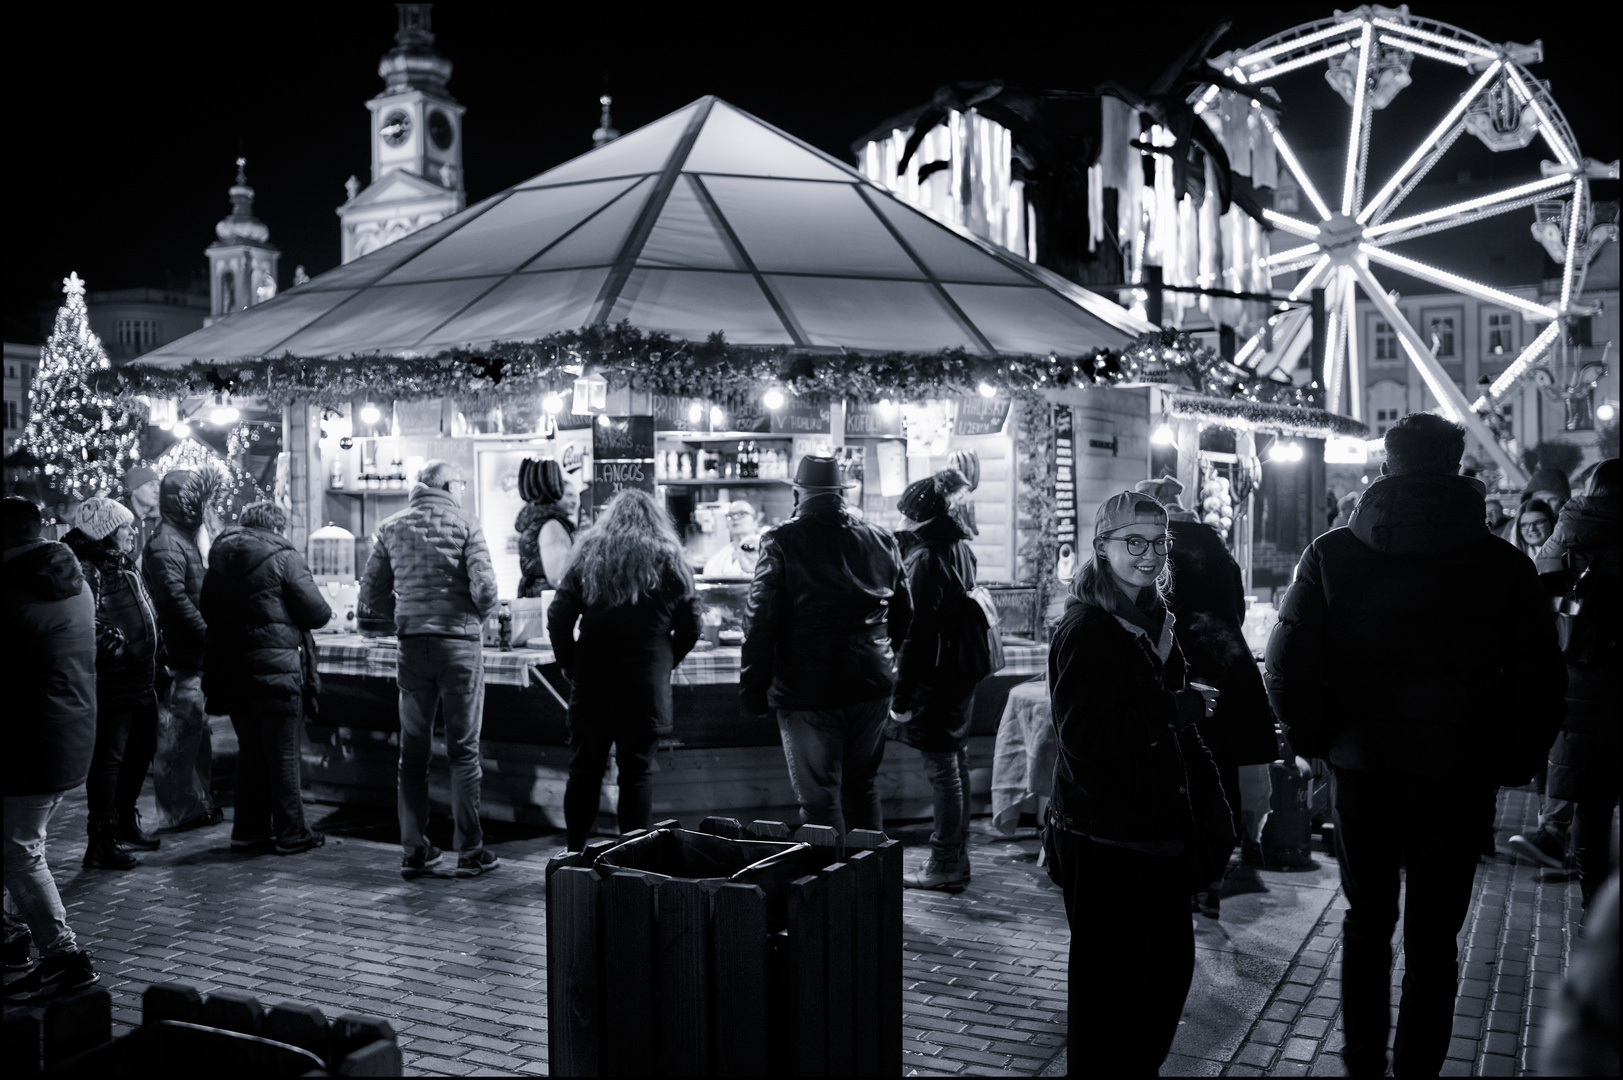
{"points": [[706, 220]]}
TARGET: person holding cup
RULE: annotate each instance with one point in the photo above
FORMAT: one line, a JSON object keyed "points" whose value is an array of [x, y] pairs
{"points": [[1137, 819]]}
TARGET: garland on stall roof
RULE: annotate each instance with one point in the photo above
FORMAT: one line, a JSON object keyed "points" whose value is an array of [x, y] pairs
{"points": [[1035, 498], [712, 369]]}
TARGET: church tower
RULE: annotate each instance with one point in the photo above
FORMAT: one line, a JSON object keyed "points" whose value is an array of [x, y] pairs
{"points": [[242, 261], [416, 144]]}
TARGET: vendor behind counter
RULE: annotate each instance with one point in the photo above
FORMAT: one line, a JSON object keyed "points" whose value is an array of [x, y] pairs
{"points": [[738, 558]]}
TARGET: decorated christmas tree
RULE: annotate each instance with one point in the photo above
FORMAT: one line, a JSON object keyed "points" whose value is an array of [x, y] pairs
{"points": [[86, 440]]}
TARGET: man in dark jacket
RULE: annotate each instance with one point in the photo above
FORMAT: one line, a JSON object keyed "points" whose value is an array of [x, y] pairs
{"points": [[431, 573], [1416, 653], [261, 604], [50, 629], [173, 568], [826, 608]]}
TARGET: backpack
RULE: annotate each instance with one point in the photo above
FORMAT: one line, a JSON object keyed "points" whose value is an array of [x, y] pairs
{"points": [[973, 645]]}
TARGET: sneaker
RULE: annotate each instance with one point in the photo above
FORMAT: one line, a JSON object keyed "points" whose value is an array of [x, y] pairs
{"points": [[55, 975], [480, 861], [17, 955], [1545, 846], [934, 877], [130, 834], [298, 847], [421, 862]]}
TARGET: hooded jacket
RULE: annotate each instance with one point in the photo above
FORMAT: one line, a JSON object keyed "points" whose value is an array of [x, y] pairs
{"points": [[126, 623], [430, 570], [50, 626], [940, 568], [1581, 560], [173, 568], [259, 600], [1414, 643]]}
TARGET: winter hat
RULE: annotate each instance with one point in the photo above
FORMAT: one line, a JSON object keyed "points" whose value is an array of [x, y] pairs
{"points": [[1164, 491], [1127, 508], [922, 500], [1547, 479], [967, 462], [139, 476], [98, 518]]}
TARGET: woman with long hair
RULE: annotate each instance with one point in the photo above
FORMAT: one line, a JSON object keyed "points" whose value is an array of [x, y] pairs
{"points": [[1137, 819], [630, 588]]}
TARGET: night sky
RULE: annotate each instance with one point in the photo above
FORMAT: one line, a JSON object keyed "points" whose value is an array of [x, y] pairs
{"points": [[130, 116]]}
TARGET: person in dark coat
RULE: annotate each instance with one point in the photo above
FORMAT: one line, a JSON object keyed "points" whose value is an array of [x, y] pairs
{"points": [[545, 526], [141, 485], [103, 538], [1208, 600], [1415, 652], [1137, 818], [934, 702], [173, 568], [1579, 563], [50, 634], [827, 607], [630, 590], [259, 668]]}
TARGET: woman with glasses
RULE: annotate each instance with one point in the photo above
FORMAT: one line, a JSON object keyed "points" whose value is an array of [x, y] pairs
{"points": [[743, 550], [1137, 817]]}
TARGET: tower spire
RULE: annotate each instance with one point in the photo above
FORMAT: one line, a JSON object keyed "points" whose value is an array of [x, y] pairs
{"points": [[605, 132]]}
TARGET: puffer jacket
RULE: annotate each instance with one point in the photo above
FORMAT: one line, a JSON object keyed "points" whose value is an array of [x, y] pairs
{"points": [[1208, 599], [528, 525], [50, 633], [940, 567], [126, 624], [826, 606], [1132, 768], [259, 600], [430, 570], [173, 568], [1413, 643], [1581, 559]]}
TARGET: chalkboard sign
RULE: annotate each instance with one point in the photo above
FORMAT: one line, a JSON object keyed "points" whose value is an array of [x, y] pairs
{"points": [[866, 418], [672, 413], [1064, 427], [622, 457], [807, 415], [981, 415]]}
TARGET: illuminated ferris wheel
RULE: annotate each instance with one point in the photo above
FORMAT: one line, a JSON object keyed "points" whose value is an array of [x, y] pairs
{"points": [[1345, 234]]}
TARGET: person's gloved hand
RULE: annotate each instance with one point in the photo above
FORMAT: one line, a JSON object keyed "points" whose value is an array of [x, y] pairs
{"points": [[109, 643]]}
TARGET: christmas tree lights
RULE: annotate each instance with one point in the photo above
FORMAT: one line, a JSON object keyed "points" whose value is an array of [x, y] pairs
{"points": [[87, 439]]}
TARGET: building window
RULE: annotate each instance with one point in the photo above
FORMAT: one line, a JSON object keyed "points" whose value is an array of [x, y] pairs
{"points": [[140, 333], [1501, 336], [11, 371], [11, 415], [1386, 342], [1388, 401], [1440, 333]]}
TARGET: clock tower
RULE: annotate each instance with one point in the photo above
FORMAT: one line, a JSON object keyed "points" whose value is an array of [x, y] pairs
{"points": [[416, 144], [242, 260]]}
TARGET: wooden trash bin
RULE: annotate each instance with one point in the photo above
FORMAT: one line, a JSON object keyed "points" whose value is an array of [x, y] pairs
{"points": [[656, 974]]}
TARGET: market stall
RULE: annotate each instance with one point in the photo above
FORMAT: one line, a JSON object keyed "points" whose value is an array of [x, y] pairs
{"points": [[688, 309]]}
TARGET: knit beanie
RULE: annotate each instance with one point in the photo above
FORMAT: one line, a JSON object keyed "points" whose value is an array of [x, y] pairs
{"points": [[140, 476], [1127, 508], [1548, 479], [922, 500], [98, 518]]}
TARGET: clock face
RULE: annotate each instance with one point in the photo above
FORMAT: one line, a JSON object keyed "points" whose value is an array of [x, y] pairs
{"points": [[396, 126], [440, 130]]}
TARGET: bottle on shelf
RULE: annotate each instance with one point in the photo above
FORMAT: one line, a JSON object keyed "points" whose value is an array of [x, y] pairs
{"points": [[337, 472]]}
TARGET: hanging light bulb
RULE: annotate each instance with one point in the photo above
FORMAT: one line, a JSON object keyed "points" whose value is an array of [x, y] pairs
{"points": [[553, 403], [223, 412], [370, 414], [695, 412], [603, 420], [773, 399], [987, 390], [1164, 435], [182, 430], [887, 408], [717, 417], [1605, 412]]}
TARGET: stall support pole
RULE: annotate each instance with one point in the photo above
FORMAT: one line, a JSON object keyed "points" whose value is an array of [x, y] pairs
{"points": [[301, 438], [836, 423], [1153, 301]]}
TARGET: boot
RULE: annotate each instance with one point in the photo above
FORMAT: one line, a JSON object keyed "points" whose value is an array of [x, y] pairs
{"points": [[130, 834], [103, 851]]}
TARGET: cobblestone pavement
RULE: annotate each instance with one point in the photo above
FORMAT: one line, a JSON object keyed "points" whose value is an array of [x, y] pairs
{"points": [[458, 966]]}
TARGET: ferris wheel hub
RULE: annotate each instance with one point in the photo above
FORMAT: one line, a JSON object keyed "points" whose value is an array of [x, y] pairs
{"points": [[1340, 235]]}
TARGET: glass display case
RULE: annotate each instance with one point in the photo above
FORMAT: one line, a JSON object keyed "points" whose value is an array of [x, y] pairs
{"points": [[722, 605]]}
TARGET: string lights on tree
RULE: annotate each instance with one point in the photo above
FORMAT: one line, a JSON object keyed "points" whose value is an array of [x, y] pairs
{"points": [[86, 437]]}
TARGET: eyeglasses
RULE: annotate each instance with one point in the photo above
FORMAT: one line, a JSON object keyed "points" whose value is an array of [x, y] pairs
{"points": [[457, 485], [737, 515], [1138, 545]]}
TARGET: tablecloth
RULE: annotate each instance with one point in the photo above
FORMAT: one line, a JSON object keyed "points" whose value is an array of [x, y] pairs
{"points": [[1023, 756]]}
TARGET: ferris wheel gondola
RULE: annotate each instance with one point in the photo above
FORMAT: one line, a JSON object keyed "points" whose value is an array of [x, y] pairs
{"points": [[1345, 236]]}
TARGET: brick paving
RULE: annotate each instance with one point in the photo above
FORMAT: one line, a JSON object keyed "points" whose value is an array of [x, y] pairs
{"points": [[458, 966]]}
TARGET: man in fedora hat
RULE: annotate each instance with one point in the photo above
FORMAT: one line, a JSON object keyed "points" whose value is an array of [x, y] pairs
{"points": [[827, 607]]}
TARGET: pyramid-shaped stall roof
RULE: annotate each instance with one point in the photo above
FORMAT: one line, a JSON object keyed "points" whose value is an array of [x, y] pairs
{"points": [[708, 219]]}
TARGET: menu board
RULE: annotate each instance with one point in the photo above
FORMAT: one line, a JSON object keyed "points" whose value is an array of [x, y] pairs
{"points": [[867, 418], [1064, 427], [622, 457], [808, 415], [979, 415]]}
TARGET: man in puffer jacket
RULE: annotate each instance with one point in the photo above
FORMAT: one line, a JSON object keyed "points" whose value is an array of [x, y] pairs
{"points": [[50, 632], [261, 604], [173, 568], [1580, 564], [1416, 653], [431, 573]]}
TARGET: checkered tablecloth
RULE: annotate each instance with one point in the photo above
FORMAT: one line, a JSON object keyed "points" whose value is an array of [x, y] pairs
{"points": [[352, 654]]}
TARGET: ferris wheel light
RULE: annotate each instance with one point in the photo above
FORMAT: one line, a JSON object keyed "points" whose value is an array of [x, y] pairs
{"points": [[1427, 35], [1355, 139], [1290, 224], [1295, 166], [1518, 367], [1438, 133], [1310, 278], [1291, 255], [1546, 128], [1569, 272], [1507, 195], [1297, 43], [1455, 282], [1300, 62], [1423, 50]]}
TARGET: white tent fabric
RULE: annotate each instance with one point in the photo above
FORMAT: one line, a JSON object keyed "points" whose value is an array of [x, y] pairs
{"points": [[708, 219]]}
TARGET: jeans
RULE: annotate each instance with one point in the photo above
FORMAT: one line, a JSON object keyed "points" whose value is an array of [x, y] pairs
{"points": [[126, 741], [1380, 849], [948, 774], [446, 674], [184, 767], [29, 885], [1132, 953], [270, 802], [591, 734], [833, 757]]}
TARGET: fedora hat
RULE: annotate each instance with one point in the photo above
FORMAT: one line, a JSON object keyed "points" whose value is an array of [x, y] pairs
{"points": [[818, 472]]}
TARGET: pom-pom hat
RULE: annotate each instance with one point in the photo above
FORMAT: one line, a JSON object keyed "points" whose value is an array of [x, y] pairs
{"points": [[99, 518], [1127, 508]]}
